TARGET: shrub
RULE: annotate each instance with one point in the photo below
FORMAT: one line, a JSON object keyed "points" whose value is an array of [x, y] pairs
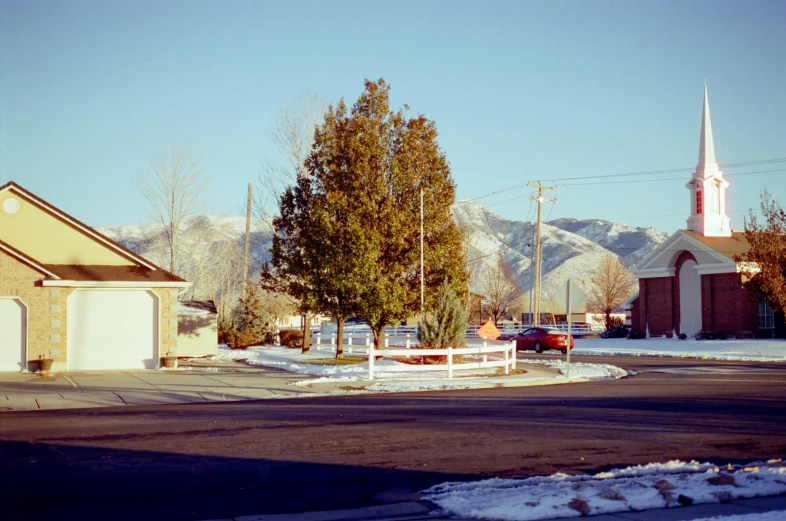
{"points": [[291, 337], [703, 334], [445, 326], [614, 323], [635, 334]]}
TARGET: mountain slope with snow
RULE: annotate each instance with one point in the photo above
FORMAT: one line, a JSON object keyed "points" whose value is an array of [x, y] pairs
{"points": [[572, 249]]}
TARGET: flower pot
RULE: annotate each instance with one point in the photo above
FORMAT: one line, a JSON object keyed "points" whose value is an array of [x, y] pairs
{"points": [[170, 362], [45, 365]]}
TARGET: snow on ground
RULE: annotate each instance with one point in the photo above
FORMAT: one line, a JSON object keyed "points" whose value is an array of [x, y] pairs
{"points": [[655, 485], [751, 350], [292, 360]]}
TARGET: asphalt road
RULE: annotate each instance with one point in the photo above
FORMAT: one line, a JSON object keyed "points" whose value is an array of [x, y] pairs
{"points": [[204, 461]]}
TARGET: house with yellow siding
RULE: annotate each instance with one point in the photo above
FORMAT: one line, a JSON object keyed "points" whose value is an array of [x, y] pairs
{"points": [[71, 294]]}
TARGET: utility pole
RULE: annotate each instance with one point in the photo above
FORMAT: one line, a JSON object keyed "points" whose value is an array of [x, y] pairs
{"points": [[539, 198], [248, 240], [422, 284]]}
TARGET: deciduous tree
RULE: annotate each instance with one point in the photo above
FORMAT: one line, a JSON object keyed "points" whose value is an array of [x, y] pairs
{"points": [[499, 293], [174, 188], [764, 265], [612, 284]]}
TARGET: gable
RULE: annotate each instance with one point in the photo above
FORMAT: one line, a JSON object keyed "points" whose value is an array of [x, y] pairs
{"points": [[662, 261], [47, 236]]}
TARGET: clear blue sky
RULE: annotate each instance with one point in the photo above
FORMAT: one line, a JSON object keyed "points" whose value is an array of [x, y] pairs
{"points": [[519, 91]]}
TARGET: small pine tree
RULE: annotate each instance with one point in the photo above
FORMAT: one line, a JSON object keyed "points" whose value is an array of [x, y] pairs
{"points": [[253, 324], [446, 325]]}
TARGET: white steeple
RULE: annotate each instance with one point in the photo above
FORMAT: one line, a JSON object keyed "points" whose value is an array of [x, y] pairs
{"points": [[707, 186]]}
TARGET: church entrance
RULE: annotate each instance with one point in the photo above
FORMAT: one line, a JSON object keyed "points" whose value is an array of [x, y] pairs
{"points": [[690, 298]]}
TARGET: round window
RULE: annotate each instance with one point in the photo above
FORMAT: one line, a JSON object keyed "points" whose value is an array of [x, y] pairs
{"points": [[11, 205]]}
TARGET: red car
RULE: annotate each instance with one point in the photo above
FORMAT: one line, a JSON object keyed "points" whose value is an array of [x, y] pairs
{"points": [[542, 339]]}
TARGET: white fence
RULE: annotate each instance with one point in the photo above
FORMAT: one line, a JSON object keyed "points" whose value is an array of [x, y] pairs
{"points": [[507, 349], [363, 344]]}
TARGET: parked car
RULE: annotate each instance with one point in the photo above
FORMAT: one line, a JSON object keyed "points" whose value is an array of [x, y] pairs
{"points": [[543, 339]]}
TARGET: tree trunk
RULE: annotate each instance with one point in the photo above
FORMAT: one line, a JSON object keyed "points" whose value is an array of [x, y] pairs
{"points": [[306, 334], [340, 337], [379, 337]]}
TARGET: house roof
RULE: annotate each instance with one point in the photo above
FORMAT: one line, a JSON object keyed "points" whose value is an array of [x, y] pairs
{"points": [[82, 272], [25, 259], [101, 238], [730, 247]]}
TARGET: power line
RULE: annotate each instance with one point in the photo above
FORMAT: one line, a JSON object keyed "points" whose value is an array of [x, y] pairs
{"points": [[636, 181], [632, 174]]}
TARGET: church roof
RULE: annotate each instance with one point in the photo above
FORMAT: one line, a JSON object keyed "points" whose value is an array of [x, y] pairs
{"points": [[737, 244]]}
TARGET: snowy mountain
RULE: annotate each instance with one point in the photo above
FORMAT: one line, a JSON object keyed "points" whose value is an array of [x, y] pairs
{"points": [[566, 255], [629, 243], [571, 248]]}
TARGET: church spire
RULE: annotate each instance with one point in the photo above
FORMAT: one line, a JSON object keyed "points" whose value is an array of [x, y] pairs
{"points": [[707, 186], [706, 145]]}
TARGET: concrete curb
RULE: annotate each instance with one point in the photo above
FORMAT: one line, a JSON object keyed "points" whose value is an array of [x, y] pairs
{"points": [[420, 510]]}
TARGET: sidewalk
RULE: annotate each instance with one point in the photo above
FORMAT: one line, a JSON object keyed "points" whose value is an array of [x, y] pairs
{"points": [[200, 381], [419, 510]]}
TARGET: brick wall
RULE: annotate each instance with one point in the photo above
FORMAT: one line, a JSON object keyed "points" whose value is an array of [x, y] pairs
{"points": [[726, 307], [168, 326], [656, 306]]}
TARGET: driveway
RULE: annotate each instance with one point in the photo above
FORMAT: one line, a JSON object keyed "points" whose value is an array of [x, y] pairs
{"points": [[197, 382]]}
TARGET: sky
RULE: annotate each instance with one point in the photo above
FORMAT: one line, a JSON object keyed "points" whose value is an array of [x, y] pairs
{"points": [[520, 92]]}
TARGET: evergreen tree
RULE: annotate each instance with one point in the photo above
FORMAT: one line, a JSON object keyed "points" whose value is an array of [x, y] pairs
{"points": [[348, 238], [374, 163], [446, 325]]}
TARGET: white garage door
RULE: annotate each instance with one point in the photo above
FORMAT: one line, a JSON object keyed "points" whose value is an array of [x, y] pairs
{"points": [[109, 329], [13, 319]]}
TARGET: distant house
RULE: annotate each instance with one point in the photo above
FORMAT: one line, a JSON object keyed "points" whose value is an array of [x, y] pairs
{"points": [[71, 294], [197, 328], [691, 282]]}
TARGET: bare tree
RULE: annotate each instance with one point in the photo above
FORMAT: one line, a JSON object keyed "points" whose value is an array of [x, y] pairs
{"points": [[173, 188], [764, 265], [499, 293], [612, 284], [292, 136]]}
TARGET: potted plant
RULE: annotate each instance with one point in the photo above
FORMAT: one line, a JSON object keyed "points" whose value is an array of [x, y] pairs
{"points": [[44, 364], [169, 361]]}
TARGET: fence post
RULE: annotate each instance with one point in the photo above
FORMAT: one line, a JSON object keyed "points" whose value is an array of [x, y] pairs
{"points": [[319, 339], [333, 340], [513, 351], [450, 362], [371, 362], [386, 341], [407, 342], [349, 339], [368, 340], [485, 355], [505, 350]]}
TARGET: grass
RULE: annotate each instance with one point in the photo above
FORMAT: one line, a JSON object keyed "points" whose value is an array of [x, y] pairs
{"points": [[335, 361]]}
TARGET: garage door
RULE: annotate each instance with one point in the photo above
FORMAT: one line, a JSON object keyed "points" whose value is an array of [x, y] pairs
{"points": [[112, 329], [13, 328]]}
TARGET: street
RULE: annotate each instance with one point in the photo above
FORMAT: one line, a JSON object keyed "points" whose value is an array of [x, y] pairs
{"points": [[212, 460]]}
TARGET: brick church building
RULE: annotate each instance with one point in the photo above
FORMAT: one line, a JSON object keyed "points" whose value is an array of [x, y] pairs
{"points": [[691, 282]]}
